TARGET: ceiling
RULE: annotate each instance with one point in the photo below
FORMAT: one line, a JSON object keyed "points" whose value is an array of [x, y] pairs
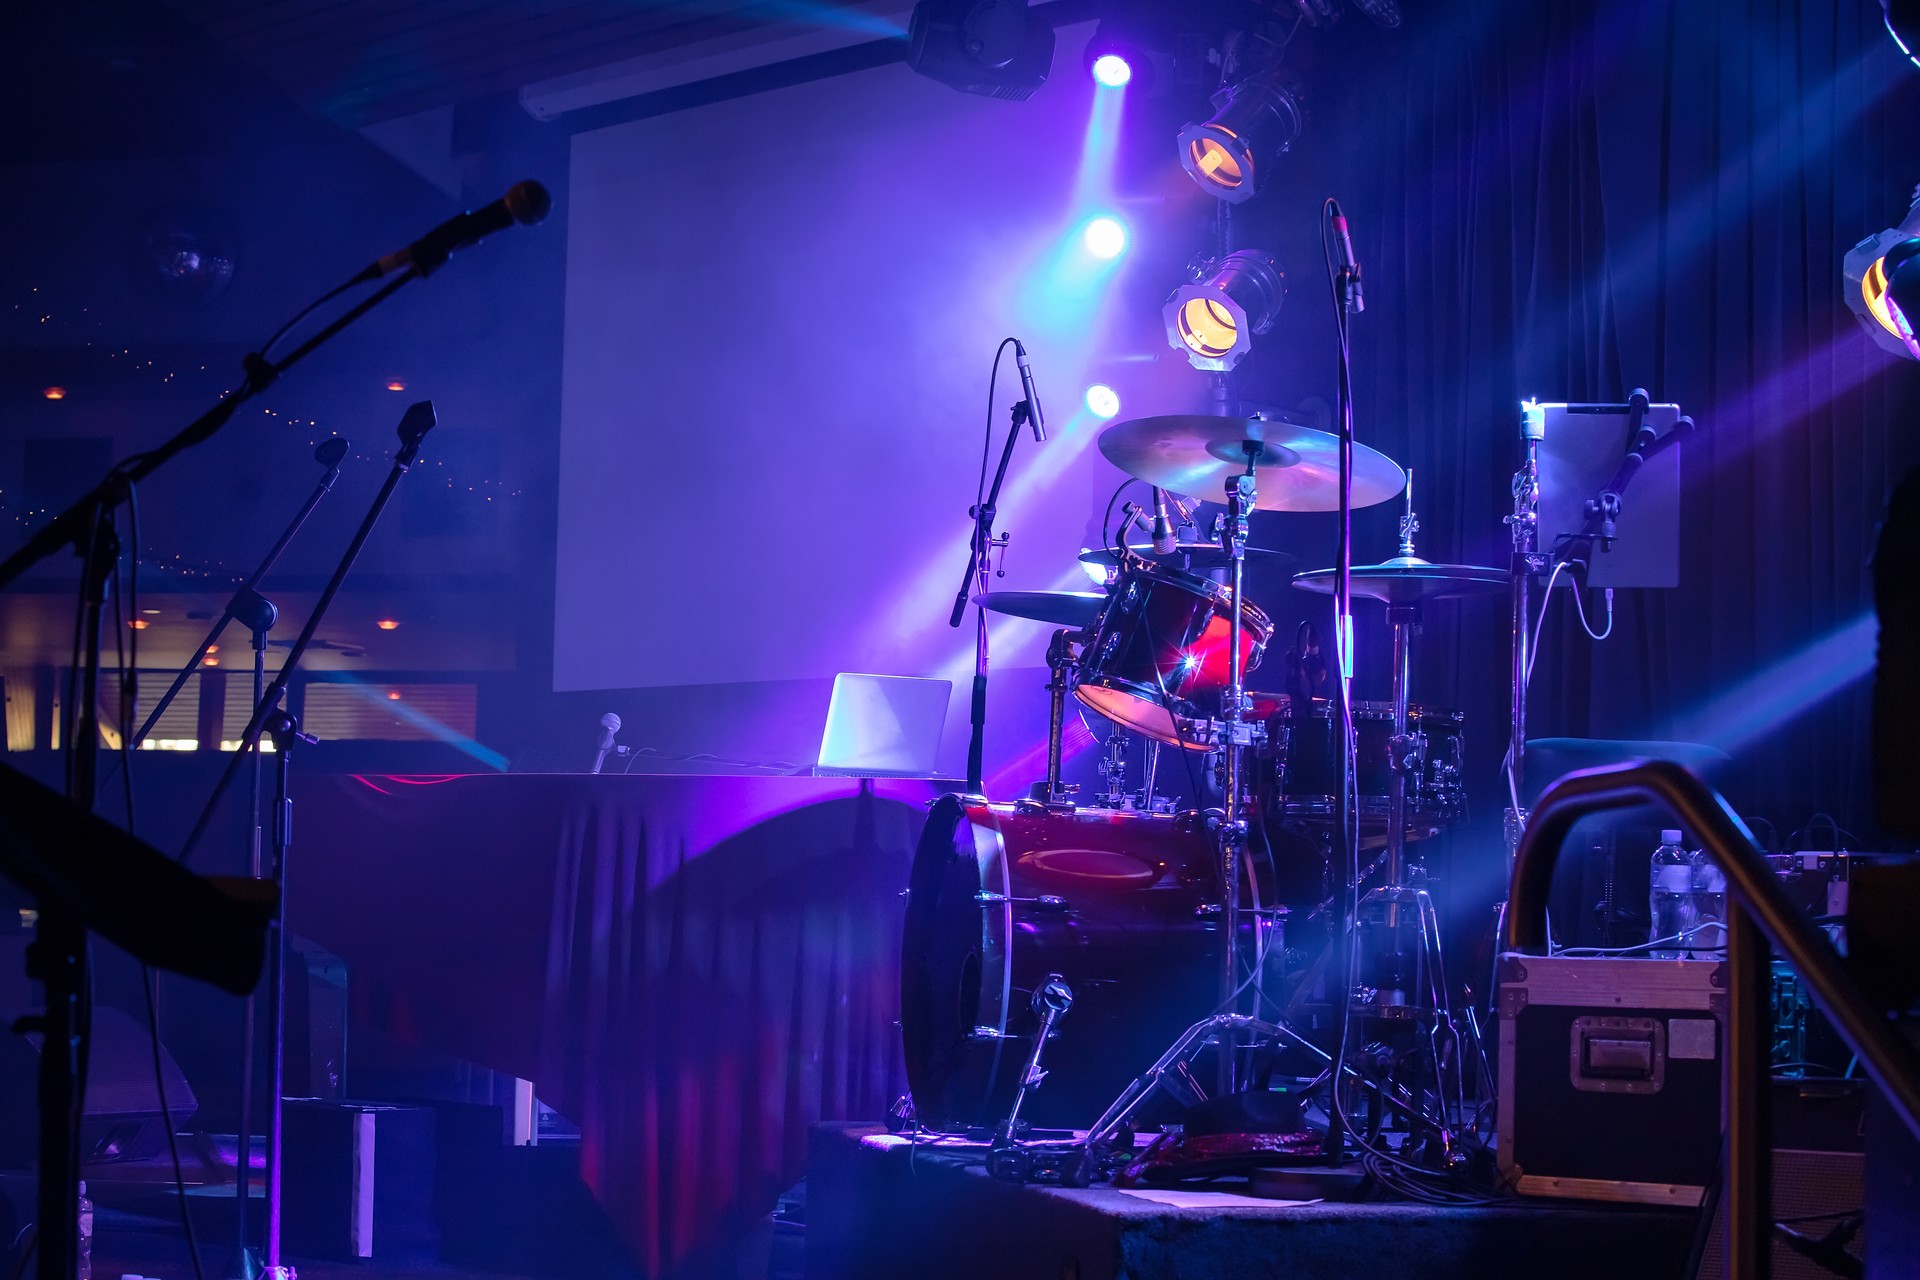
{"points": [[358, 62]]}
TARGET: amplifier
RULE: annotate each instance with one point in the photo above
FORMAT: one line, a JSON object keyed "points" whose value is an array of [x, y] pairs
{"points": [[1610, 1076]]}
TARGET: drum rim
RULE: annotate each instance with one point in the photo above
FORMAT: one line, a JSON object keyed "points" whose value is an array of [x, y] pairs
{"points": [[1127, 688], [1218, 594]]}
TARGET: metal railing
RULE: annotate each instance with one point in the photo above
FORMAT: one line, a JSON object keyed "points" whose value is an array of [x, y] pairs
{"points": [[1760, 913]]}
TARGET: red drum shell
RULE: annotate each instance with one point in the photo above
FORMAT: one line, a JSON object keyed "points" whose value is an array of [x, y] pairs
{"points": [[1160, 649]]}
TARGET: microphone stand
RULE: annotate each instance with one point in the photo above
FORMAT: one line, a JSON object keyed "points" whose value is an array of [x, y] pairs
{"points": [[329, 454], [979, 566], [270, 716], [1333, 1149], [257, 614], [60, 943]]}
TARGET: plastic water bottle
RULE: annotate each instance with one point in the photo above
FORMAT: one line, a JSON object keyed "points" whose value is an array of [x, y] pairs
{"points": [[1709, 904], [1670, 898], [83, 1256]]}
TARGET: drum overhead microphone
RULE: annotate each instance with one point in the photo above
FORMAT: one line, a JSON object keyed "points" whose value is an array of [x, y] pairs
{"points": [[1026, 389], [1349, 265], [1164, 539]]}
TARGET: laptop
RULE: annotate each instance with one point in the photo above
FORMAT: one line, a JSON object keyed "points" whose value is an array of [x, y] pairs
{"points": [[883, 726]]}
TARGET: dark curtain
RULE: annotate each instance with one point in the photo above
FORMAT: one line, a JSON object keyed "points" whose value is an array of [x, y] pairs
{"points": [[1565, 201], [691, 969]]}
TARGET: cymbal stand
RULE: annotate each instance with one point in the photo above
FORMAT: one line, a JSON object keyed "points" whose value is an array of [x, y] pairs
{"points": [[1405, 977], [1526, 562], [1237, 735]]}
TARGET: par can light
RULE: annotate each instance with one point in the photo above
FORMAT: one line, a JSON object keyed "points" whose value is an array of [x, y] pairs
{"points": [[1882, 276], [1213, 320], [1254, 119]]}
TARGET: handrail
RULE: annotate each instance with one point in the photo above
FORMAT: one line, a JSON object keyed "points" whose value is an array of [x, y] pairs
{"points": [[1765, 915]]}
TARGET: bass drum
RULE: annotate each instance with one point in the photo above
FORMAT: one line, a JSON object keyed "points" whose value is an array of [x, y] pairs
{"points": [[1122, 905]]}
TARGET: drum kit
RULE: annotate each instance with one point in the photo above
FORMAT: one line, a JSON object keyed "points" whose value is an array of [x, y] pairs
{"points": [[1051, 939]]}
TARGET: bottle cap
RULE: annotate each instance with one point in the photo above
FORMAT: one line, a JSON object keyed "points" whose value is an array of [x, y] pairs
{"points": [[1670, 836]]}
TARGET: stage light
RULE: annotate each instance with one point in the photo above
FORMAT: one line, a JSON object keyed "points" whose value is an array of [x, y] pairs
{"points": [[1105, 238], [1112, 71], [388, 624], [1115, 56], [55, 393], [995, 48], [1882, 275], [1254, 119], [1102, 400], [397, 384], [1213, 319]]}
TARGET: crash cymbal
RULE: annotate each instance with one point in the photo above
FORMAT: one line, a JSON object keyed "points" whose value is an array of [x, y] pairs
{"points": [[1295, 468], [1062, 608], [1409, 579], [1188, 555]]}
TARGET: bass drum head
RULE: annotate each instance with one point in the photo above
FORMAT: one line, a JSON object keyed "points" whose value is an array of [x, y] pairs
{"points": [[1114, 902]]}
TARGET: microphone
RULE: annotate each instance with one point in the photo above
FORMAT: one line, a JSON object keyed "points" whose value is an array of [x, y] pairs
{"points": [[1349, 265], [609, 725], [525, 203], [1033, 397], [1164, 540]]}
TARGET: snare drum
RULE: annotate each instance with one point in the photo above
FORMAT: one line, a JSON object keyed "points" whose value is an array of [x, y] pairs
{"points": [[1302, 769], [1159, 652], [1122, 905]]}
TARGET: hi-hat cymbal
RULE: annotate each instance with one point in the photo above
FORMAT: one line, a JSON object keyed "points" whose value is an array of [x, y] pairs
{"points": [[1188, 555], [1062, 608], [1295, 468], [1409, 580]]}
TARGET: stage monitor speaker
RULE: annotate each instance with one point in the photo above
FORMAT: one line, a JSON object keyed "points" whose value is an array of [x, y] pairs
{"points": [[122, 1120], [1815, 1193], [1819, 1181]]}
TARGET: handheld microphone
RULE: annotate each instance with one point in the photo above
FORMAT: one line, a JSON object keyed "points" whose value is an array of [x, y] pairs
{"points": [[525, 203], [1349, 265], [1164, 540], [1033, 397], [609, 725]]}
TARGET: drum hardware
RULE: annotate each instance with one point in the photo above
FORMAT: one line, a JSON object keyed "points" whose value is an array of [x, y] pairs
{"points": [[1172, 1074], [1059, 665], [1113, 770], [1040, 902], [1049, 1004], [1523, 564], [1401, 977]]}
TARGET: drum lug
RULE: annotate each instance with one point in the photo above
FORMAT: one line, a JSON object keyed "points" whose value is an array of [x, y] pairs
{"points": [[1045, 902], [1404, 752], [1208, 910]]}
